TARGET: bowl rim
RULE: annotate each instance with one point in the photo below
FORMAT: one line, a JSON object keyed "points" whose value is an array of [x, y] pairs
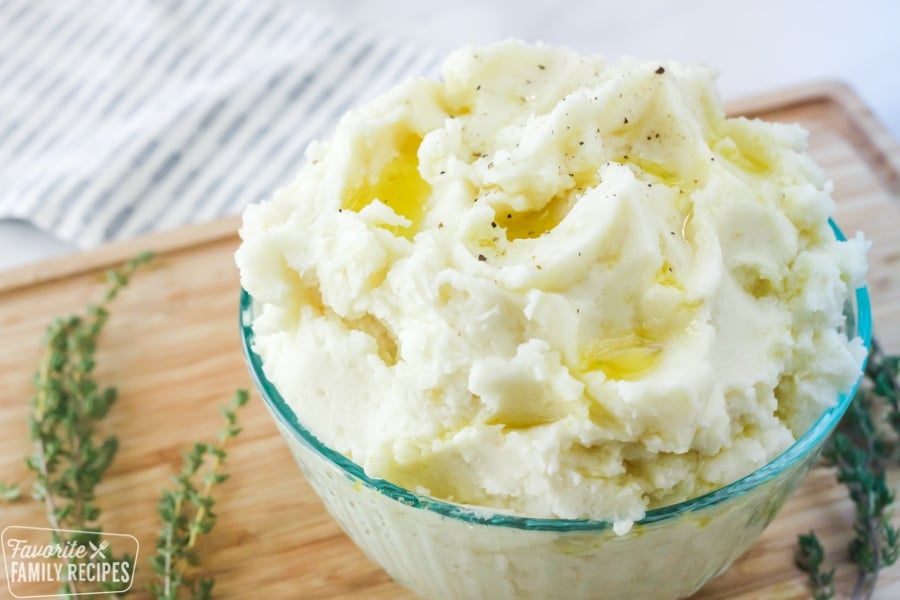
{"points": [[807, 443]]}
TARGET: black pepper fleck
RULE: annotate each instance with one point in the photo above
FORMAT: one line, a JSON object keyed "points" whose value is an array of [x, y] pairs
{"points": [[660, 71], [625, 122], [477, 87], [493, 224], [541, 67], [482, 257]]}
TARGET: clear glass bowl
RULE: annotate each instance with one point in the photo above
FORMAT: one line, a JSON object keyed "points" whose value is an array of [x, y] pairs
{"points": [[442, 550]]}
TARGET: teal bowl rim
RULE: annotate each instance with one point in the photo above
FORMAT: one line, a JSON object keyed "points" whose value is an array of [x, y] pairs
{"points": [[807, 443]]}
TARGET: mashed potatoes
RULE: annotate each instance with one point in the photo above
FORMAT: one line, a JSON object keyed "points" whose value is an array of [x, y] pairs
{"points": [[554, 286]]}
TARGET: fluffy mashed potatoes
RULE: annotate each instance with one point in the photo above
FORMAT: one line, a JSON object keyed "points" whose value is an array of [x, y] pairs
{"points": [[554, 286]]}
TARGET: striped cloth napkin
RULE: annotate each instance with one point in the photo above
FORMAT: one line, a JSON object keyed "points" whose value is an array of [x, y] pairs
{"points": [[120, 117]]}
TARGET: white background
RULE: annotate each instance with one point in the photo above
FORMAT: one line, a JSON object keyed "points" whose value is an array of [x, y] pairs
{"points": [[757, 45]]}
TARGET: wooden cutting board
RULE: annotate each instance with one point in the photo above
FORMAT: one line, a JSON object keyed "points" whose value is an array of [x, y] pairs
{"points": [[172, 349]]}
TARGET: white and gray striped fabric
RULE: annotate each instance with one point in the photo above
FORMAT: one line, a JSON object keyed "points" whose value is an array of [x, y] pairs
{"points": [[120, 117]]}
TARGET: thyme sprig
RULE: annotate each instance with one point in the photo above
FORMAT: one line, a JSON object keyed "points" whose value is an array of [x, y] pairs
{"points": [[861, 449], [68, 463], [187, 512], [810, 557]]}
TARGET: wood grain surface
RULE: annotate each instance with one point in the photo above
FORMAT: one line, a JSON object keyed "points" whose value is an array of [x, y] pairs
{"points": [[172, 349]]}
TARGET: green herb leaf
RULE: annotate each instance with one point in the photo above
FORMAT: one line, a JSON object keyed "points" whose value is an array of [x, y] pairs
{"points": [[10, 492]]}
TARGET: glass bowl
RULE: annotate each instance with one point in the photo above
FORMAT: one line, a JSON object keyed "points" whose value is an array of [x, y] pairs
{"points": [[442, 550]]}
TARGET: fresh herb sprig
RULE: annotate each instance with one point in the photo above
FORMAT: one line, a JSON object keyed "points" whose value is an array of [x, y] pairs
{"points": [[810, 557], [883, 371], [187, 512], [861, 451], [68, 463]]}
